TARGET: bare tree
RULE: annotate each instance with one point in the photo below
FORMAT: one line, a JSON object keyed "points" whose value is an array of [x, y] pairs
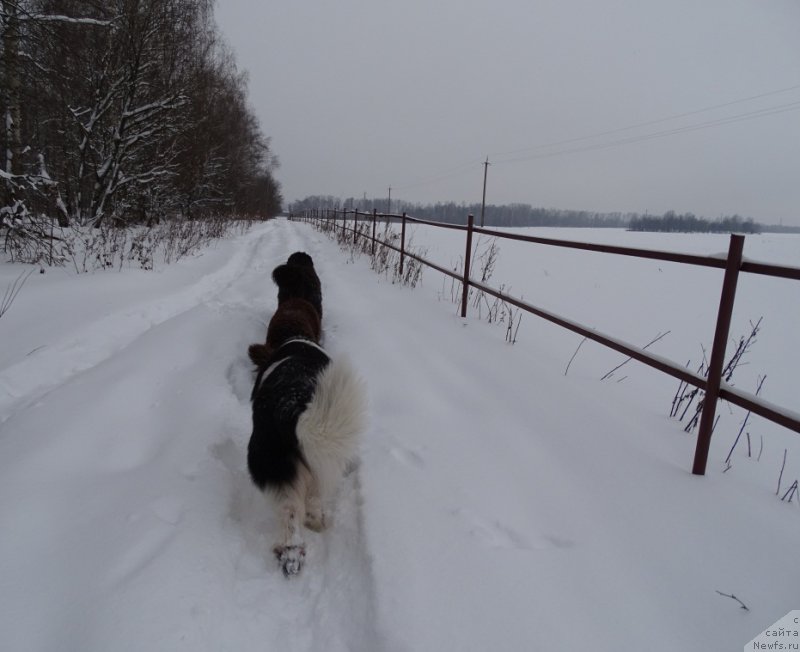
{"points": [[129, 111]]}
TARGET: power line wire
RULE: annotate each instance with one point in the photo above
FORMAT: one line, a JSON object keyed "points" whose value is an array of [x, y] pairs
{"points": [[441, 176], [459, 170], [648, 122], [750, 115]]}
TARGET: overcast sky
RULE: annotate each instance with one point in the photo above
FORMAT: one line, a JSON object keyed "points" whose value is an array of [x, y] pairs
{"points": [[578, 104]]}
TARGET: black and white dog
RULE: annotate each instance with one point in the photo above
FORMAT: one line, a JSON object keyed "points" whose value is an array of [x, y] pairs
{"points": [[308, 412]]}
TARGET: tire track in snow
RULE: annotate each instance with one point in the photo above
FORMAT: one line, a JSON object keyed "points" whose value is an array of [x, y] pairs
{"points": [[107, 487], [198, 519], [29, 380], [330, 605]]}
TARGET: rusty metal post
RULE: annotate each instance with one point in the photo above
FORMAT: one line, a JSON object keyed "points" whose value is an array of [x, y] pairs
{"points": [[374, 218], [402, 244], [718, 353], [465, 281]]}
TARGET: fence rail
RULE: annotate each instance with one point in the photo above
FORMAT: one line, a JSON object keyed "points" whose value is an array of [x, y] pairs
{"points": [[713, 385]]}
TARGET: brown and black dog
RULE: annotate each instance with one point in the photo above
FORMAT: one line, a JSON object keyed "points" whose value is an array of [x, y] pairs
{"points": [[299, 313], [294, 319]]}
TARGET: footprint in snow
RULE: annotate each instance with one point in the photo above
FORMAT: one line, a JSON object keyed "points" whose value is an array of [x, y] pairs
{"points": [[240, 378], [145, 547], [168, 509], [494, 534], [407, 456], [227, 452]]}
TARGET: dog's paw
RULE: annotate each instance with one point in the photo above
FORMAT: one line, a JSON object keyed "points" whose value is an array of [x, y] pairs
{"points": [[290, 558], [316, 520]]}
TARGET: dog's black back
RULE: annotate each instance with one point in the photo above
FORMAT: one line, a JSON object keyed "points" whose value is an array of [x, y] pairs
{"points": [[280, 395], [297, 279]]}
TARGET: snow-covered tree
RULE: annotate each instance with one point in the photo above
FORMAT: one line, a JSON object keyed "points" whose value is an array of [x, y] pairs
{"points": [[125, 110]]}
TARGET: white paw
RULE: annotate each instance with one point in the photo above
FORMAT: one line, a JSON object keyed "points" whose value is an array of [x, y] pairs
{"points": [[290, 558], [316, 520]]}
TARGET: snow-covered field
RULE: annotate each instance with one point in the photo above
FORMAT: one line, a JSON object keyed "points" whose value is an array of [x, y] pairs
{"points": [[499, 505]]}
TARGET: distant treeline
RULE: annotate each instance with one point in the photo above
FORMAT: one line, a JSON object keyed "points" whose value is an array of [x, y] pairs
{"points": [[673, 222], [453, 213], [519, 215], [513, 215]]}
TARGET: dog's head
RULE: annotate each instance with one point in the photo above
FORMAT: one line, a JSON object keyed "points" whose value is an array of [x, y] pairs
{"points": [[300, 258], [298, 279]]}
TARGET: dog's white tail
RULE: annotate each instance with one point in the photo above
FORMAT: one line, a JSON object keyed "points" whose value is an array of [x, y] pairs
{"points": [[329, 428]]}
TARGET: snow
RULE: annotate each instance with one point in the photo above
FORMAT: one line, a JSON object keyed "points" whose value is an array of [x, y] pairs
{"points": [[498, 505]]}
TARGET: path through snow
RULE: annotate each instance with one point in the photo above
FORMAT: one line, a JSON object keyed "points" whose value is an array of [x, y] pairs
{"points": [[135, 525], [498, 506]]}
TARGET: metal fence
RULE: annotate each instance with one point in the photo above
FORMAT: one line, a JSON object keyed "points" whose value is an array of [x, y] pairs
{"points": [[712, 384]]}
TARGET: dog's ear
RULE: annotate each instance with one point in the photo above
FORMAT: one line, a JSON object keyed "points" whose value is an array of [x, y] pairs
{"points": [[259, 354], [287, 276], [295, 279]]}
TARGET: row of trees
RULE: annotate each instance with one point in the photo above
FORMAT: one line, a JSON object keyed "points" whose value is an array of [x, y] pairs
{"points": [[127, 111], [507, 215], [673, 222], [455, 213], [525, 215]]}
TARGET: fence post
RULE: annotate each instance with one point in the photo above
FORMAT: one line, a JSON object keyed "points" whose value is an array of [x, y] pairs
{"points": [[402, 244], [718, 353], [465, 281], [355, 227], [374, 218]]}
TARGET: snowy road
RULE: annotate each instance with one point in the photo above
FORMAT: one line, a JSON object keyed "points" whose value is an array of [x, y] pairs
{"points": [[498, 506], [134, 522]]}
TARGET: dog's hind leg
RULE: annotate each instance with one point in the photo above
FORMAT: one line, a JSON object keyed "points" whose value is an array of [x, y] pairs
{"points": [[316, 519], [291, 548]]}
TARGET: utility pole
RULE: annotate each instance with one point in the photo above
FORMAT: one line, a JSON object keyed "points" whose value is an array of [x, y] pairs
{"points": [[483, 203], [389, 210]]}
